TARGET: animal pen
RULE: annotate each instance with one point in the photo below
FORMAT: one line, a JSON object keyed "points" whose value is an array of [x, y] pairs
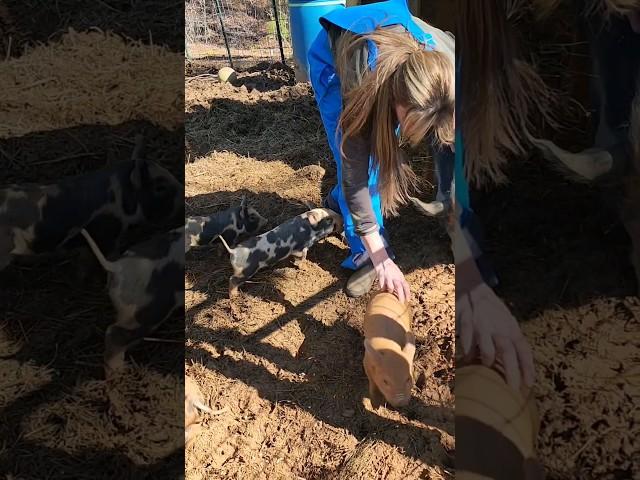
{"points": [[241, 33], [237, 33], [286, 355]]}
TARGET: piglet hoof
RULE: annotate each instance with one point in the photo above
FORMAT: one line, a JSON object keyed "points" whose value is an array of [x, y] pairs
{"points": [[113, 366], [110, 374], [233, 287]]}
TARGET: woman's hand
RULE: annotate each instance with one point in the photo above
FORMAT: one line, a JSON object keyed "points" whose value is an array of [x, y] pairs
{"points": [[486, 324], [484, 321], [390, 278]]}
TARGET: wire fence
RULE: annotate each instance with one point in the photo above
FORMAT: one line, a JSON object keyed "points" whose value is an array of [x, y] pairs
{"points": [[238, 33]]}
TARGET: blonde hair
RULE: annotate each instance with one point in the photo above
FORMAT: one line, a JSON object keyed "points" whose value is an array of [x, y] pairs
{"points": [[407, 74], [500, 92]]}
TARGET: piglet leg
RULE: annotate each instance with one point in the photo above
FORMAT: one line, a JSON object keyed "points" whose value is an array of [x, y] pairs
{"points": [[234, 283], [375, 395], [116, 341], [129, 331], [301, 257]]}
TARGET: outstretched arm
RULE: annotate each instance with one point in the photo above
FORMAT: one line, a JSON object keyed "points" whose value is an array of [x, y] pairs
{"points": [[485, 323]]}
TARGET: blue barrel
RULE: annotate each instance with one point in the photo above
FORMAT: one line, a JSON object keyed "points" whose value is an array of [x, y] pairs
{"points": [[304, 23]]}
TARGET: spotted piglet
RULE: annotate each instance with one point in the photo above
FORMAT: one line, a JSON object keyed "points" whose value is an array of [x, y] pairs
{"points": [[230, 223], [37, 219], [292, 238], [146, 285]]}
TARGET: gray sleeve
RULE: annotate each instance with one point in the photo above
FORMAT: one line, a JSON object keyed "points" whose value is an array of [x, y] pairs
{"points": [[355, 184], [355, 162]]}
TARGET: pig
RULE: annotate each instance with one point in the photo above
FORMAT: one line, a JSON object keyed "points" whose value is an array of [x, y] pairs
{"points": [[291, 238], [389, 350], [193, 405], [146, 285], [230, 223], [37, 219]]}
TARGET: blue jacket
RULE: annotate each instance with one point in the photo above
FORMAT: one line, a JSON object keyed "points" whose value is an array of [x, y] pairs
{"points": [[359, 20]]}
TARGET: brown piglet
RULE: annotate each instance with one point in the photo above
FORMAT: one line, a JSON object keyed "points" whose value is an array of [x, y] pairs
{"points": [[193, 405], [389, 350]]}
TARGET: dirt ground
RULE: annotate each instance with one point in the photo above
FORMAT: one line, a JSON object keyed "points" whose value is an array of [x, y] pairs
{"points": [[286, 356], [566, 276], [562, 256], [58, 417]]}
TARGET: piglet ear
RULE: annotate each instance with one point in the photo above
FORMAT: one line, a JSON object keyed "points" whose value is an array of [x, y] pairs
{"points": [[313, 217], [409, 349]]}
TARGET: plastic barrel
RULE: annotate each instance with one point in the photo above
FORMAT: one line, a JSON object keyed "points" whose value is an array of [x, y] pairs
{"points": [[496, 428], [304, 26]]}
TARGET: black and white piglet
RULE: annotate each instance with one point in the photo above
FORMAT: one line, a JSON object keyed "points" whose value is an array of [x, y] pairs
{"points": [[294, 237], [230, 223], [38, 219], [146, 285]]}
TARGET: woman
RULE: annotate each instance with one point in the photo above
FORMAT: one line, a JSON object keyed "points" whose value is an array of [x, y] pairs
{"points": [[493, 128], [376, 73]]}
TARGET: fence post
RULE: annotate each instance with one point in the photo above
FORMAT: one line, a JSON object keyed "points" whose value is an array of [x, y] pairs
{"points": [[224, 32], [275, 11], [204, 21]]}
